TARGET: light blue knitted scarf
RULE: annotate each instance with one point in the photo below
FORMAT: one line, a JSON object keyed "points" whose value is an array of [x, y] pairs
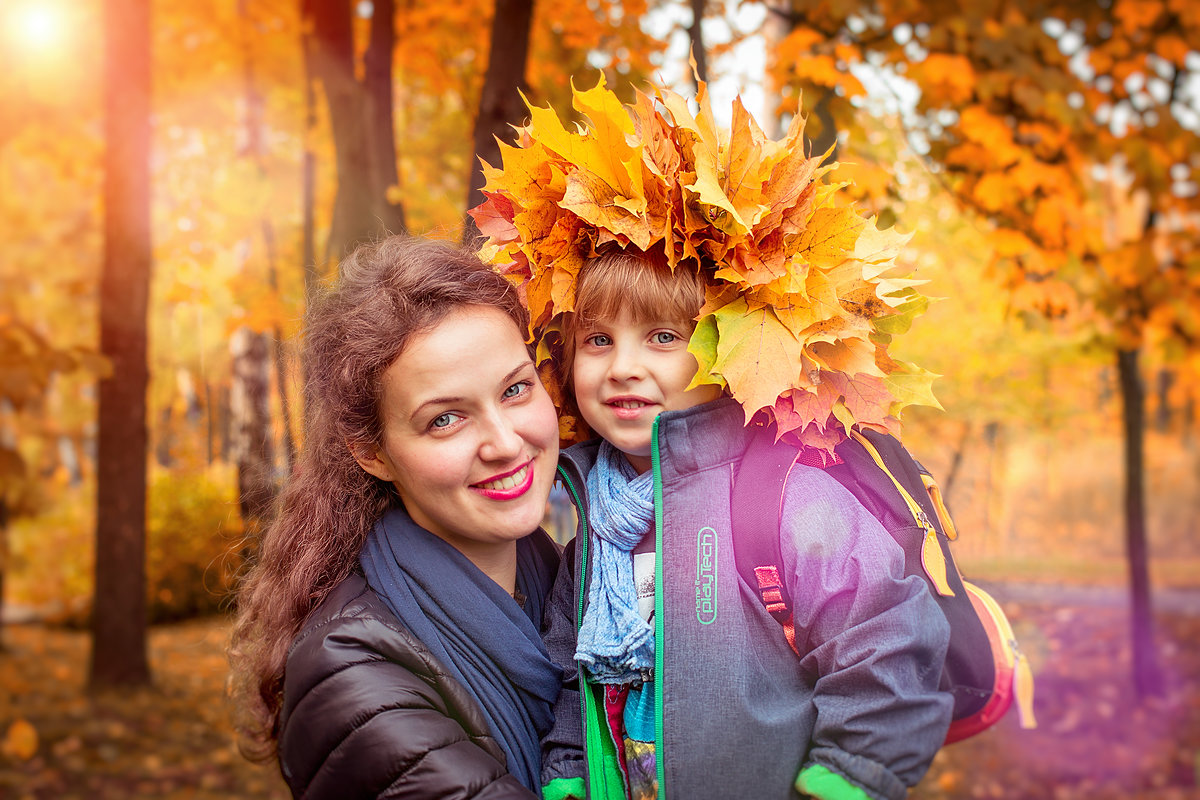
{"points": [[615, 645]]}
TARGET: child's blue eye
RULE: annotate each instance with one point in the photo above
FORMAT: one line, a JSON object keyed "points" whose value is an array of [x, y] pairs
{"points": [[600, 340], [663, 337]]}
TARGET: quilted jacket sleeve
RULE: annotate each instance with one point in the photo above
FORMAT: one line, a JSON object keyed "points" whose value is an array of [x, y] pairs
{"points": [[562, 747], [368, 712], [874, 639]]}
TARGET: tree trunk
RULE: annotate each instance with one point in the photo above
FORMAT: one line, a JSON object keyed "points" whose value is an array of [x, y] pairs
{"points": [[333, 66], [224, 424], [1147, 675], [947, 484], [1162, 414], [696, 36], [251, 350], [118, 655], [279, 358], [500, 104], [380, 109], [308, 176], [3, 560], [361, 213], [828, 136], [210, 425], [1189, 418], [249, 406], [162, 448]]}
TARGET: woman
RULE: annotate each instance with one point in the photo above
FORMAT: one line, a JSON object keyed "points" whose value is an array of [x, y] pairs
{"points": [[387, 639]]}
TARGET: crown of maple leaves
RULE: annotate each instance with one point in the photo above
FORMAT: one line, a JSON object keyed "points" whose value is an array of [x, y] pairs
{"points": [[803, 295]]}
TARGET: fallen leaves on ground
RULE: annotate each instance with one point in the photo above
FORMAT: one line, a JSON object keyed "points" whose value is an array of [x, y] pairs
{"points": [[1095, 741], [174, 740]]}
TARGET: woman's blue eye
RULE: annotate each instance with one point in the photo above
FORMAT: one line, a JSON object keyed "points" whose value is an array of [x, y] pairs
{"points": [[514, 390], [442, 421], [664, 337]]}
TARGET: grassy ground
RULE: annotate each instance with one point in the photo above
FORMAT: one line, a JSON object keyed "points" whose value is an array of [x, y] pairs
{"points": [[1095, 741]]}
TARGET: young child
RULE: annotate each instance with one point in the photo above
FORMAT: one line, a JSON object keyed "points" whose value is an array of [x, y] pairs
{"points": [[679, 684]]}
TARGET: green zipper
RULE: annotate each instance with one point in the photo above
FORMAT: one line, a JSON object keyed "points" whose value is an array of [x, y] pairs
{"points": [[659, 754]]}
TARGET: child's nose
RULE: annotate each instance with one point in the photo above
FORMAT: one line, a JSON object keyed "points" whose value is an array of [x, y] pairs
{"points": [[626, 364]]}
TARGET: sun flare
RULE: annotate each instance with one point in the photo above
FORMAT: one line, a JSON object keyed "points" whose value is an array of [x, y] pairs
{"points": [[36, 26]]}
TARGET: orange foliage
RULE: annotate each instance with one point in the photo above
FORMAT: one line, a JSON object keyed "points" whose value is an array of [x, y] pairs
{"points": [[1049, 104], [816, 291]]}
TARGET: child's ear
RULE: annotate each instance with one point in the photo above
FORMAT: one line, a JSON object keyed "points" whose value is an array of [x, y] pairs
{"points": [[372, 461]]}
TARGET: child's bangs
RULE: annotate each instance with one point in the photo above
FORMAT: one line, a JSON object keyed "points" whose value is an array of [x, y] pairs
{"points": [[610, 285]]}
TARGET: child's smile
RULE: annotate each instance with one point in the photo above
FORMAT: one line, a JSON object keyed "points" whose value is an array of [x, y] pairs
{"points": [[629, 407], [626, 373]]}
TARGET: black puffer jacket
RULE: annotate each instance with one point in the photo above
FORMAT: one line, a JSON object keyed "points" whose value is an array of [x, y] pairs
{"points": [[368, 712]]}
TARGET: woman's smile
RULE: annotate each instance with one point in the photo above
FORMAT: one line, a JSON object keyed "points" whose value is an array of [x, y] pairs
{"points": [[510, 486], [470, 437]]}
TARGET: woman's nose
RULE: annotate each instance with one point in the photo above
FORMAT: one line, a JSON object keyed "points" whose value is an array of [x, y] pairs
{"points": [[502, 440]]}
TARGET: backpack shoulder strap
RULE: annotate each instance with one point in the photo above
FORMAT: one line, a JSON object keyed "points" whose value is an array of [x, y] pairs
{"points": [[756, 504], [895, 462]]}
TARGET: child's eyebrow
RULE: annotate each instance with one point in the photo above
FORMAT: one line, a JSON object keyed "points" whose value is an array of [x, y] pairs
{"points": [[588, 326]]}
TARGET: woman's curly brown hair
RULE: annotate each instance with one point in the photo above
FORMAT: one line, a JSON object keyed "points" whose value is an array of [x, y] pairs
{"points": [[385, 293]]}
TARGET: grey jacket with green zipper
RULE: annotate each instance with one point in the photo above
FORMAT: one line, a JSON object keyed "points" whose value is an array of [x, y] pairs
{"points": [[738, 714]]}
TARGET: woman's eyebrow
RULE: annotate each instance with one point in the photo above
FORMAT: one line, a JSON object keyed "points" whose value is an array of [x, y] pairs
{"points": [[434, 401]]}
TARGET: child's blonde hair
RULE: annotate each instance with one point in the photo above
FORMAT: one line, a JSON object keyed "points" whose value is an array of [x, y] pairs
{"points": [[631, 282]]}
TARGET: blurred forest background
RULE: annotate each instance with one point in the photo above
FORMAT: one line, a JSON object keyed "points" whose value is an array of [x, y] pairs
{"points": [[176, 177]]}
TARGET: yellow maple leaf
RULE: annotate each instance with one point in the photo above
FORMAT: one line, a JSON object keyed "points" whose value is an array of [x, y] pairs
{"points": [[848, 356], [596, 202], [703, 345], [539, 298], [700, 126], [831, 235], [714, 206], [875, 246], [21, 741], [757, 356], [742, 165], [911, 385], [604, 152], [527, 171]]}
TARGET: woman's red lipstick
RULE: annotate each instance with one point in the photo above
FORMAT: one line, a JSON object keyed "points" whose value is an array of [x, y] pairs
{"points": [[509, 485]]}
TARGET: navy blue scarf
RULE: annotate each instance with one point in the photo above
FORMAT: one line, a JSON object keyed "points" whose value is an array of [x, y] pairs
{"points": [[474, 628]]}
